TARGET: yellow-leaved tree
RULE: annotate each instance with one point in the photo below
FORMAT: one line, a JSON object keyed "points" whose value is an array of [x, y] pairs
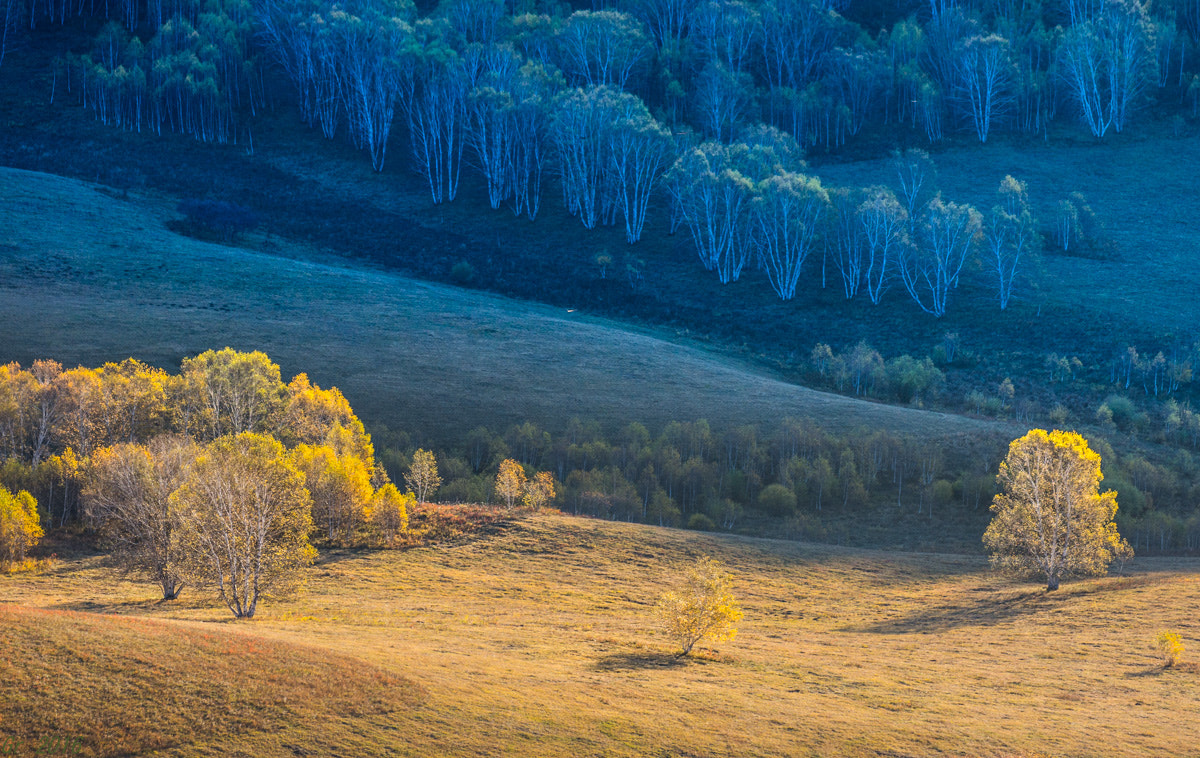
{"points": [[1050, 518], [20, 528], [389, 512], [127, 501], [422, 477], [340, 486], [242, 521], [539, 491], [701, 606], [510, 482]]}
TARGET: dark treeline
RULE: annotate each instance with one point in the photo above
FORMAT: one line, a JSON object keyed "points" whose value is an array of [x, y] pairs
{"points": [[711, 104], [795, 481]]}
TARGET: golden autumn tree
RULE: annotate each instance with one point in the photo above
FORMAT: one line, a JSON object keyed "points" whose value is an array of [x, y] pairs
{"points": [[388, 512], [126, 499], [315, 416], [1050, 518], [422, 477], [232, 392], [510, 482], [340, 486], [243, 518], [701, 606], [20, 528], [539, 491]]}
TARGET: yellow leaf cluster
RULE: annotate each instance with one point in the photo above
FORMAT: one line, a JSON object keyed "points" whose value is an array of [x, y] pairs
{"points": [[20, 528], [701, 607], [1050, 517]]}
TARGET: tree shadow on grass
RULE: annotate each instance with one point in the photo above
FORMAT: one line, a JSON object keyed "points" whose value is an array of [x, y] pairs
{"points": [[638, 660], [1001, 607], [121, 607]]}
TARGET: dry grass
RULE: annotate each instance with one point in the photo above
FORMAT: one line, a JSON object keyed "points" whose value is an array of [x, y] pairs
{"points": [[86, 277], [119, 685], [536, 641]]}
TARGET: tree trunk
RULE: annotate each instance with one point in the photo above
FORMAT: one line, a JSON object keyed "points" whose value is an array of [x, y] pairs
{"points": [[1051, 583]]}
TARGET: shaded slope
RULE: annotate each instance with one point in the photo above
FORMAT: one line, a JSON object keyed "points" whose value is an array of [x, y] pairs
{"points": [[86, 277]]}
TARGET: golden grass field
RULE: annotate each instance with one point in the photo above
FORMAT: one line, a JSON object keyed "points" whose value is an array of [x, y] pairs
{"points": [[86, 277], [538, 640]]}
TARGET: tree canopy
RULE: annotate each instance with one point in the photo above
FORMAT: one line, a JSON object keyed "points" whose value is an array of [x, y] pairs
{"points": [[1050, 517]]}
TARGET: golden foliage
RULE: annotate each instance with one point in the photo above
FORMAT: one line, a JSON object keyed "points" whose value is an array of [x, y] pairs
{"points": [[701, 607], [1169, 646], [1050, 517], [20, 527], [510, 482], [127, 500], [244, 517], [340, 486], [539, 491], [422, 477], [388, 513]]}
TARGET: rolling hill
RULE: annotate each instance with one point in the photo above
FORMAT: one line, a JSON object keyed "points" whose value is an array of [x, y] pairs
{"points": [[539, 640], [88, 276]]}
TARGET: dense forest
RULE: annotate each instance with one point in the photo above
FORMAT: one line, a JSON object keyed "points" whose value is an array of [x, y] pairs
{"points": [[713, 102]]}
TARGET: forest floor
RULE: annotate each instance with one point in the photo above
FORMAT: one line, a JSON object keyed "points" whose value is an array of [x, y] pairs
{"points": [[538, 639]]}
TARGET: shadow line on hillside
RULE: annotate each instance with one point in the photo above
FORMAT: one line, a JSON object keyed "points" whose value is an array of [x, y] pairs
{"points": [[998, 609]]}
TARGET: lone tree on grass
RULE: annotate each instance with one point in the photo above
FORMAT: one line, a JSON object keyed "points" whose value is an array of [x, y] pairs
{"points": [[701, 607], [1050, 517]]}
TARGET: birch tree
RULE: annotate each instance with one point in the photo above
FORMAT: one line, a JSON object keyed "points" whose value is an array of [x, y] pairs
{"points": [[20, 527], [244, 518], [984, 80], [640, 149], [931, 267], [579, 129], [126, 499], [1010, 234], [372, 50], [667, 20], [491, 128], [437, 112], [1050, 517], [533, 93], [795, 35], [714, 195], [239, 392], [1106, 62], [422, 477], [848, 240], [599, 48], [787, 211], [726, 31], [883, 224]]}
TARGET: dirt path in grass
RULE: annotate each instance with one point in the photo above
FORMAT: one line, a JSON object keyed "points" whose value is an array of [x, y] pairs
{"points": [[86, 277]]}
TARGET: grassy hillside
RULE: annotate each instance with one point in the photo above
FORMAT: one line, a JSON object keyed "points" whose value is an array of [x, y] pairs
{"points": [[538, 641], [87, 277]]}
